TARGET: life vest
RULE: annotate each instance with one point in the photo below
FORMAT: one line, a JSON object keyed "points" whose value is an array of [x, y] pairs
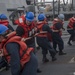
{"points": [[71, 22], [24, 50], [39, 26], [29, 30], [55, 21], [20, 21], [4, 22]]}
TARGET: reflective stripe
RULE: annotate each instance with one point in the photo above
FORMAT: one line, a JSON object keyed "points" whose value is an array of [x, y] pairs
{"points": [[20, 20], [24, 51]]}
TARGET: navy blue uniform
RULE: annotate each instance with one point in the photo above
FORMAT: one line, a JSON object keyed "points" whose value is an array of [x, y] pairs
{"points": [[72, 33], [13, 50], [57, 40], [44, 43], [30, 43]]}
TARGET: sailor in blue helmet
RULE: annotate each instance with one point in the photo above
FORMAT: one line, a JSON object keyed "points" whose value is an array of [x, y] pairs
{"points": [[21, 57], [27, 29], [3, 62], [42, 38], [4, 21]]}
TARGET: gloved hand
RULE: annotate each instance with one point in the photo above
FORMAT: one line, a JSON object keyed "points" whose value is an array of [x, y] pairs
{"points": [[63, 29]]}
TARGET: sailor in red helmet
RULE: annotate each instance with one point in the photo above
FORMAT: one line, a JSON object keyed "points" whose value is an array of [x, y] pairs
{"points": [[27, 29], [71, 29], [42, 38], [4, 21], [57, 32], [21, 57]]}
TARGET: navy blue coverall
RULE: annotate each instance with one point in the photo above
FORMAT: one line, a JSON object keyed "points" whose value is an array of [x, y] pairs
{"points": [[30, 67], [57, 40], [30, 42], [72, 33], [44, 43]]}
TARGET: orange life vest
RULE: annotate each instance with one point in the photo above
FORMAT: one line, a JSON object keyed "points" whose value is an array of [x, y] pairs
{"points": [[4, 22], [54, 23], [29, 30], [20, 21], [24, 50], [71, 22], [39, 26]]}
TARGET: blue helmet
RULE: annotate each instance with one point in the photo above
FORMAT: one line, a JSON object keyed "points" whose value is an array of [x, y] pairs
{"points": [[3, 16], [61, 16], [41, 17], [30, 16], [3, 28]]}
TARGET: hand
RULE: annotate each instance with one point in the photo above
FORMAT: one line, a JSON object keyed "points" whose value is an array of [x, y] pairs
{"points": [[1, 53], [63, 29], [24, 39]]}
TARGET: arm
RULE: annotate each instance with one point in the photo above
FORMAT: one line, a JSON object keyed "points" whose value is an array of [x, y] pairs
{"points": [[20, 31], [10, 28], [58, 27], [13, 50], [47, 28]]}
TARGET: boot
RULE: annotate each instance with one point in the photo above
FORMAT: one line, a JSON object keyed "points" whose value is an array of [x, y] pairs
{"points": [[38, 70], [54, 58], [7, 67], [61, 53], [56, 51], [69, 43], [38, 48], [45, 60]]}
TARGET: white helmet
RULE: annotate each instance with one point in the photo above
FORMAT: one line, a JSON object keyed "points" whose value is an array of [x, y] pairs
{"points": [[61, 16]]}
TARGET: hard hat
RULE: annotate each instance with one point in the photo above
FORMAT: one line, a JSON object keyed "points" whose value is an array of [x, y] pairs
{"points": [[61, 16], [3, 28], [3, 16], [30, 16], [41, 17]]}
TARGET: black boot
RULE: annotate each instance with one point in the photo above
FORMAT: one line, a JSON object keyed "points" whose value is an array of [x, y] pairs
{"points": [[54, 58], [7, 67], [45, 60], [38, 70], [56, 51], [38, 48], [69, 43], [61, 53]]}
